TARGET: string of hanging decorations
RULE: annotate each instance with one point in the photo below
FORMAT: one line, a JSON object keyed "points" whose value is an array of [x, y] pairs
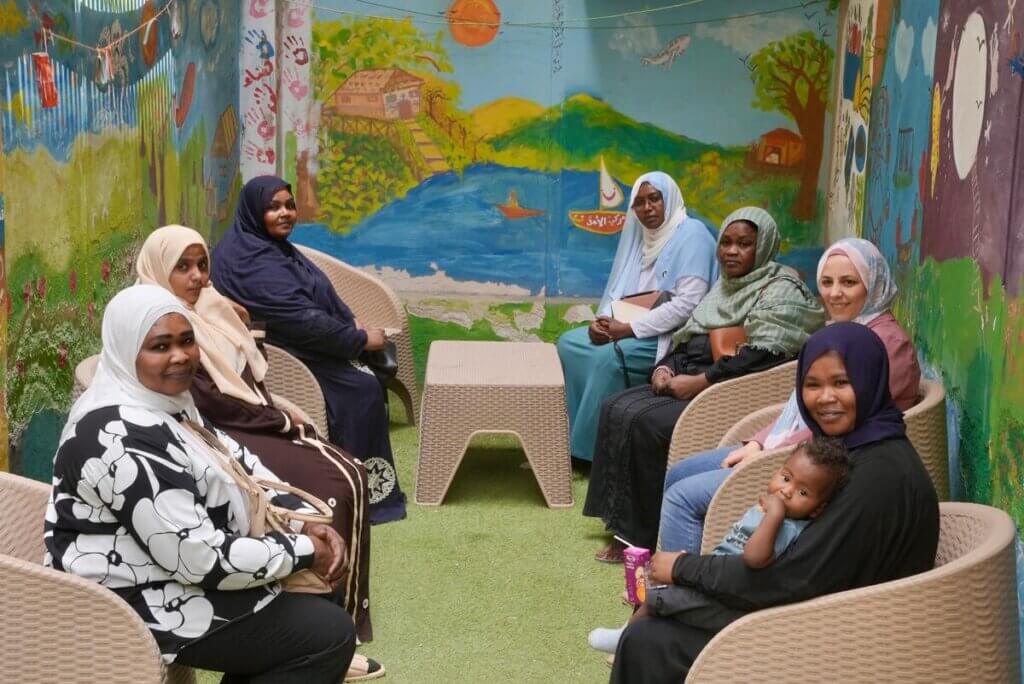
{"points": [[43, 66]]}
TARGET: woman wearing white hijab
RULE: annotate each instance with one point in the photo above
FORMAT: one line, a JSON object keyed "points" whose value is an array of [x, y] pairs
{"points": [[229, 392], [142, 505], [660, 248]]}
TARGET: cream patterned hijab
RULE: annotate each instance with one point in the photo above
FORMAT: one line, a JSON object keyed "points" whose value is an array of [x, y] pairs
{"points": [[225, 344]]}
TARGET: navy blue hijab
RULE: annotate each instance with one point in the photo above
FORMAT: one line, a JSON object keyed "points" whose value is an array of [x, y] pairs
{"points": [[867, 366], [269, 277]]}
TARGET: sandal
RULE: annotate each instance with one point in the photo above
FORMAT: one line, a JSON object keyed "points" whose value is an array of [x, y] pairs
{"points": [[362, 669], [613, 553]]}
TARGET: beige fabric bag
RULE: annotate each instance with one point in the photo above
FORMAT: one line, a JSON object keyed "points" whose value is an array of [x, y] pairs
{"points": [[264, 516]]}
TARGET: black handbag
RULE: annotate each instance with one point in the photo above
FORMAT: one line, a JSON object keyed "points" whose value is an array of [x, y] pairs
{"points": [[383, 362]]}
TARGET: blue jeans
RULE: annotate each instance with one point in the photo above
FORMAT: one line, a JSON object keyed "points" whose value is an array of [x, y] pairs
{"points": [[689, 487]]}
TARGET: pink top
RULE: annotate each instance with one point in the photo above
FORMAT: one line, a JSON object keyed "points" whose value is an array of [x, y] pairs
{"points": [[904, 373]]}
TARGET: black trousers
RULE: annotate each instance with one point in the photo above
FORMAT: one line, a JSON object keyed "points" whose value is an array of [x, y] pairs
{"points": [[297, 639], [657, 650]]}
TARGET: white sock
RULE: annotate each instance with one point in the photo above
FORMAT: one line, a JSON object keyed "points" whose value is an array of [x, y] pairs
{"points": [[604, 639]]}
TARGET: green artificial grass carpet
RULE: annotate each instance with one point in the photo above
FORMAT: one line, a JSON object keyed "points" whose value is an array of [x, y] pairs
{"points": [[492, 586]]}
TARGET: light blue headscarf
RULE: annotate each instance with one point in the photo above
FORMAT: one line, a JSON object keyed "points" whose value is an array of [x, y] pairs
{"points": [[881, 288], [629, 256]]}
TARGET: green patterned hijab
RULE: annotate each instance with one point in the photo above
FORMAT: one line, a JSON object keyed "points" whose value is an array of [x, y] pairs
{"points": [[775, 308]]}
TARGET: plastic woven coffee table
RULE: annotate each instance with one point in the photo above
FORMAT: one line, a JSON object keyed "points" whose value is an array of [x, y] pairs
{"points": [[486, 387]]}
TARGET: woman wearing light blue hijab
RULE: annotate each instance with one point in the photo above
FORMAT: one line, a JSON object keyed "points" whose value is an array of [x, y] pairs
{"points": [[660, 248]]}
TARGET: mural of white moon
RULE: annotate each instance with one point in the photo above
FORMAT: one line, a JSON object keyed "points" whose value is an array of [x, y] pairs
{"points": [[904, 49], [969, 93]]}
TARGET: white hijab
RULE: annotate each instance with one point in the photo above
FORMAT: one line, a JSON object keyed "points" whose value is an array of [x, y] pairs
{"points": [[128, 318], [639, 248]]}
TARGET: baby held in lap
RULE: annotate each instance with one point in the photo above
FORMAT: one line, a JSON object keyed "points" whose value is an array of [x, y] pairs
{"points": [[797, 492]]}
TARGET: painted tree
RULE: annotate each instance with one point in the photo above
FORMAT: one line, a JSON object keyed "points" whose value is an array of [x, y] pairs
{"points": [[792, 76]]}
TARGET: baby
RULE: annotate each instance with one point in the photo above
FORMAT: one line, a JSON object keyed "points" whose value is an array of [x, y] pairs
{"points": [[797, 493]]}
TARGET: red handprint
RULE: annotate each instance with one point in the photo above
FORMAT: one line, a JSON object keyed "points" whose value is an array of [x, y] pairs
{"points": [[296, 87], [266, 95], [264, 126], [297, 17], [295, 49], [258, 8], [264, 155]]}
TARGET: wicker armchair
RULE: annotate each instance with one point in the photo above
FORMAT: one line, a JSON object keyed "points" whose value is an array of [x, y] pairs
{"points": [[375, 304], [714, 411], [955, 623], [296, 388], [60, 627]]}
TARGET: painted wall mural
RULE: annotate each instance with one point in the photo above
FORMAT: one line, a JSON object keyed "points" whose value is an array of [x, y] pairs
{"points": [[114, 121], [943, 164], [413, 160]]}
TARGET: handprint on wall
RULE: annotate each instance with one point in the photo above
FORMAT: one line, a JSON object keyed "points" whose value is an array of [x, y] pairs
{"points": [[259, 40], [258, 8], [265, 96], [296, 87], [264, 155], [264, 127], [296, 17], [295, 48]]}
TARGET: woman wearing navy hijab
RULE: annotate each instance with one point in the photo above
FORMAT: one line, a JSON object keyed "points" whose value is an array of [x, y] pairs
{"points": [[884, 525], [256, 266]]}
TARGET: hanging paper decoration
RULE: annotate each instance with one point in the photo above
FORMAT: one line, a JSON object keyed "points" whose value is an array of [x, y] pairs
{"points": [[104, 66], [149, 42], [44, 79], [175, 20]]}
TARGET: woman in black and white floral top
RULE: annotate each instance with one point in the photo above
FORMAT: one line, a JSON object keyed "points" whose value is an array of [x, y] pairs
{"points": [[141, 505]]}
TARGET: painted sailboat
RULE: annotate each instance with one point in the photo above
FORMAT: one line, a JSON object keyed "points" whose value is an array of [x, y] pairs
{"points": [[604, 221], [512, 210]]}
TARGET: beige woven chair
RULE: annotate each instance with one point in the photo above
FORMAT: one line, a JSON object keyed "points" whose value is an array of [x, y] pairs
{"points": [[714, 411], [955, 623], [290, 380], [60, 627], [375, 304], [292, 386]]}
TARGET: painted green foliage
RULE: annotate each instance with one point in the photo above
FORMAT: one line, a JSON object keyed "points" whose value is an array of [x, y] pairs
{"points": [[973, 339]]}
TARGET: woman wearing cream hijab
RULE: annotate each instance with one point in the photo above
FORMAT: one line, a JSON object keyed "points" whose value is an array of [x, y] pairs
{"points": [[228, 390]]}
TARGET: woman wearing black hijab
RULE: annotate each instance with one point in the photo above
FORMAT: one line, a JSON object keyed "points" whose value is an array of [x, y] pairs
{"points": [[884, 525], [256, 266]]}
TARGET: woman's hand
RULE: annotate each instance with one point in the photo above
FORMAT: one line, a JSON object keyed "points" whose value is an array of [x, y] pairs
{"points": [[375, 339], [295, 417], [598, 333], [737, 456], [242, 312], [660, 380], [359, 326], [615, 330], [329, 557], [688, 386], [661, 566]]}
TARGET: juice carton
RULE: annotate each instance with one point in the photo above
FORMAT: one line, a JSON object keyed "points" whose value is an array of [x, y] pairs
{"points": [[637, 563]]}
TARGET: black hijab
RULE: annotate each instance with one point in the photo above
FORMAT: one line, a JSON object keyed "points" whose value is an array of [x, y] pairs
{"points": [[867, 366], [269, 277]]}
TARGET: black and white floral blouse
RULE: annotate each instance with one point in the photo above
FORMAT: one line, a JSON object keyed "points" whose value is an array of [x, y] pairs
{"points": [[129, 510]]}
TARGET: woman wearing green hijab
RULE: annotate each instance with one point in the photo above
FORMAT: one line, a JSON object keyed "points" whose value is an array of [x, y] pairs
{"points": [[757, 315]]}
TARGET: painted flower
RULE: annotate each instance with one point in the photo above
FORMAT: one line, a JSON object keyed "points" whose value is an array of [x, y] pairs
{"points": [[91, 310], [105, 271], [183, 611], [177, 532], [252, 560], [114, 560], [26, 292], [73, 282], [62, 356], [19, 367], [41, 287]]}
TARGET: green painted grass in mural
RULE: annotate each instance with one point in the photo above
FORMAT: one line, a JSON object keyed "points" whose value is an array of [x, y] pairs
{"points": [[972, 339]]}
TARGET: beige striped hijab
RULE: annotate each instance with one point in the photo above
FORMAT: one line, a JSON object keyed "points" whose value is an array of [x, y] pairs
{"points": [[225, 344]]}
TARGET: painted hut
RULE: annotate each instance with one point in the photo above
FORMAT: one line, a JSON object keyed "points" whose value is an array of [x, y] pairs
{"points": [[780, 147], [385, 94]]}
